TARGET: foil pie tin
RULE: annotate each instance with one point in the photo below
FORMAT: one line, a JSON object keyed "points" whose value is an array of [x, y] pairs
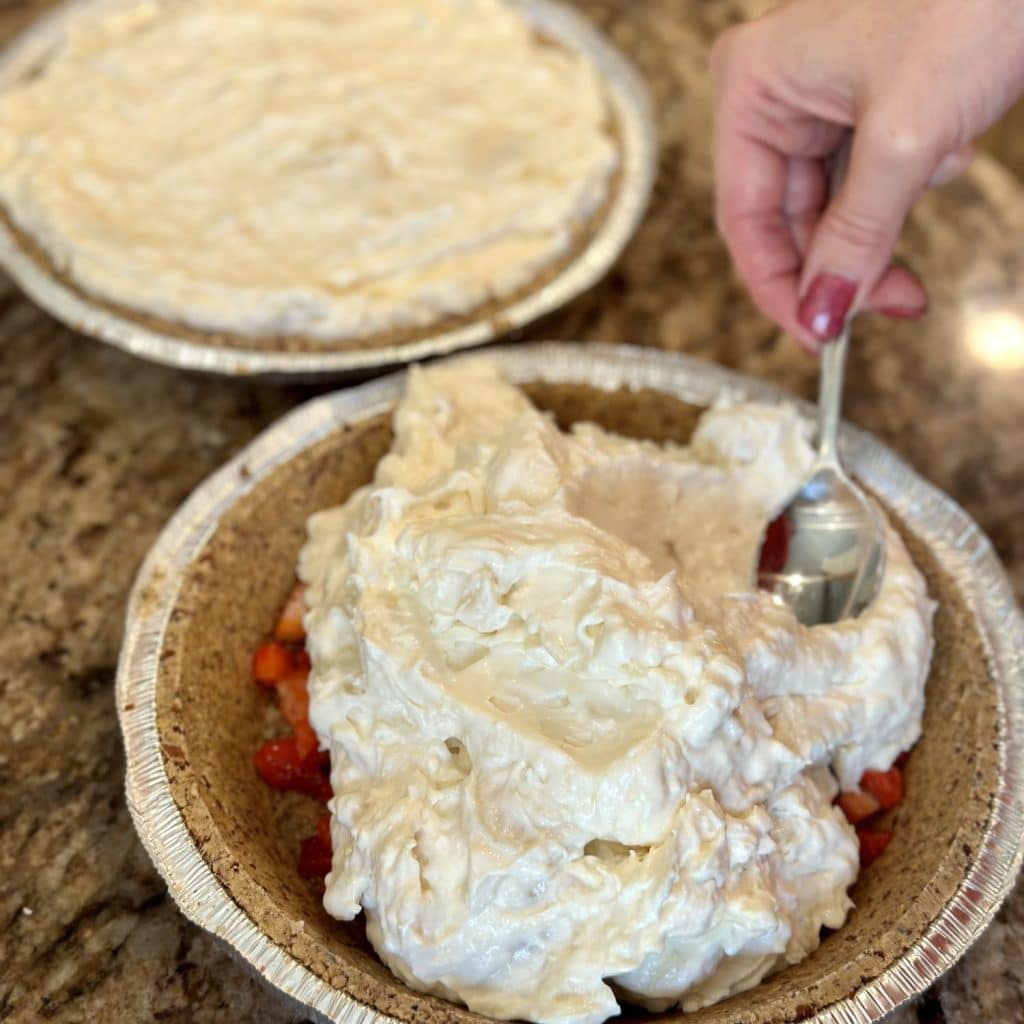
{"points": [[635, 134], [883, 956]]}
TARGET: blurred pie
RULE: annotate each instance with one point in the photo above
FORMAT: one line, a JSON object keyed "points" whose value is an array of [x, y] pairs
{"points": [[316, 170]]}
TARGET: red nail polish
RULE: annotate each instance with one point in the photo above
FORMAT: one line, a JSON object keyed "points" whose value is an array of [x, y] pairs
{"points": [[903, 312], [823, 309]]}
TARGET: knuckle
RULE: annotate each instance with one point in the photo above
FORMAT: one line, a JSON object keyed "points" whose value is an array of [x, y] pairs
{"points": [[728, 216], [904, 138], [728, 52], [857, 231], [907, 142]]}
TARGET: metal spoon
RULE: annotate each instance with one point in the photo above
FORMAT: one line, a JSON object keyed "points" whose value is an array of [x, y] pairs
{"points": [[824, 555]]}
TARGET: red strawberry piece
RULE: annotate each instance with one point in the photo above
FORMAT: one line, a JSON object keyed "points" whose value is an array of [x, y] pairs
{"points": [[290, 628], [858, 806], [885, 787], [279, 763], [872, 845], [314, 857], [775, 549], [323, 828], [271, 662], [294, 699]]}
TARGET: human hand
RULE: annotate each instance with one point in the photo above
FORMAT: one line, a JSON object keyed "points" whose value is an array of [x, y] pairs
{"points": [[915, 80]]}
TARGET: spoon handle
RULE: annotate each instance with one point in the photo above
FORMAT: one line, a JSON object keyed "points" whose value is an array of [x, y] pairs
{"points": [[830, 396], [833, 355]]}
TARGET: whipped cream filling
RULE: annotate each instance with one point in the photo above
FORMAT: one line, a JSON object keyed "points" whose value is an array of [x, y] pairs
{"points": [[575, 756], [327, 168]]}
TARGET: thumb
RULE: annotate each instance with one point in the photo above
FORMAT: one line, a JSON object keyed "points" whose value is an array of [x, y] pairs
{"points": [[853, 242]]}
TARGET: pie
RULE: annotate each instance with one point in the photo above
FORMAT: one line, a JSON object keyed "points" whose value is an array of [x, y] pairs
{"points": [[309, 172]]}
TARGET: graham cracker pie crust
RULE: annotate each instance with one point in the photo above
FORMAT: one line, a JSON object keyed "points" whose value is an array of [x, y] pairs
{"points": [[210, 719]]}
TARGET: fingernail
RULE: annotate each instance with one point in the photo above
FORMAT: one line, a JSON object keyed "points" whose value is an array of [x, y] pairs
{"points": [[823, 309], [903, 312]]}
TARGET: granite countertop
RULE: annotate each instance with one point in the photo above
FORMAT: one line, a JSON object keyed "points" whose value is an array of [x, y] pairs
{"points": [[97, 449]]}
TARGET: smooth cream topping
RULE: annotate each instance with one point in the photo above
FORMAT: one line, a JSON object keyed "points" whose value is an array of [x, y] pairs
{"points": [[573, 751], [330, 168]]}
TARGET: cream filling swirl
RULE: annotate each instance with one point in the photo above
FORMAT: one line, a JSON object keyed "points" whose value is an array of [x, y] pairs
{"points": [[574, 753]]}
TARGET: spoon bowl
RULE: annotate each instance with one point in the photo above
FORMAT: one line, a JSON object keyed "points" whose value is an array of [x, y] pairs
{"points": [[824, 554], [824, 557]]}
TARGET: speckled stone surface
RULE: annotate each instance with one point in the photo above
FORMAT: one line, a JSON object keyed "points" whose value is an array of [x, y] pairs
{"points": [[97, 449]]}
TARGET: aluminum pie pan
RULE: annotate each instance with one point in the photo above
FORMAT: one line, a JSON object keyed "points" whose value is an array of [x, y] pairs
{"points": [[638, 149], [957, 542]]}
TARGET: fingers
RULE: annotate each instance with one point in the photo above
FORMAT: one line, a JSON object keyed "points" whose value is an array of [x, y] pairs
{"points": [[769, 239], [807, 263], [952, 166], [757, 199], [852, 244], [751, 185], [751, 218], [770, 188], [805, 197], [899, 294]]}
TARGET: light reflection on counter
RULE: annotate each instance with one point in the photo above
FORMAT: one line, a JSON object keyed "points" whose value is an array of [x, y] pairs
{"points": [[994, 337]]}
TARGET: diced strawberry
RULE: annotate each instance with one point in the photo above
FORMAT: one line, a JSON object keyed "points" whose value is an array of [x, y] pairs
{"points": [[325, 792], [323, 828], [775, 549], [289, 628], [872, 845], [314, 857], [885, 787], [314, 779], [279, 763], [294, 699], [271, 662], [281, 766], [305, 738], [317, 761], [858, 805], [314, 784]]}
